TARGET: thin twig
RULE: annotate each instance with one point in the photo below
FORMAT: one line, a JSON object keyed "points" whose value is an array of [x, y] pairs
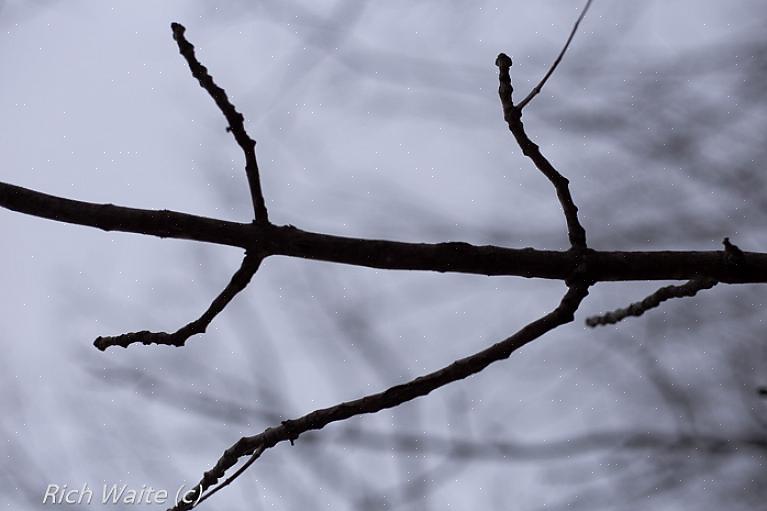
{"points": [[239, 281], [513, 117], [238, 473], [233, 117], [690, 288], [537, 89], [290, 430]]}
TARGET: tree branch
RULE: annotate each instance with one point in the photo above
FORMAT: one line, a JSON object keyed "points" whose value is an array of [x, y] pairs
{"points": [[290, 430], [537, 89], [239, 281], [513, 116], [579, 267], [233, 117], [456, 257], [108, 217], [636, 309]]}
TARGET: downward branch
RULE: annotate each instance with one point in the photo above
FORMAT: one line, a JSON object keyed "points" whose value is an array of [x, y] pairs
{"points": [[239, 281], [290, 430]]}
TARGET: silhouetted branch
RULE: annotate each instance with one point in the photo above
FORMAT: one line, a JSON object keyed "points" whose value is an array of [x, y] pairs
{"points": [[239, 281], [238, 473], [290, 430], [513, 116], [691, 288], [233, 117], [458, 257], [537, 89], [108, 217], [579, 267]]}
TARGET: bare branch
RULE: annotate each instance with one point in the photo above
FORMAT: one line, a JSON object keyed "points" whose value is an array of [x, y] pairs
{"points": [[455, 257], [290, 430], [513, 116], [691, 288], [238, 473], [239, 281], [537, 89], [108, 217], [233, 117]]}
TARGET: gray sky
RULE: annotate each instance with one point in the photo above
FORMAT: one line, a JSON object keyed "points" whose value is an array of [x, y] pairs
{"points": [[373, 120]]}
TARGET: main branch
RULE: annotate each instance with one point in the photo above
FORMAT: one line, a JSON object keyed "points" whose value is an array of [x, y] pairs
{"points": [[455, 257]]}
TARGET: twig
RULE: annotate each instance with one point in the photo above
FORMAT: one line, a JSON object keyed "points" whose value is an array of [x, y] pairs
{"points": [[537, 89], [239, 281], [238, 473], [513, 117], [691, 288], [392, 397], [233, 117]]}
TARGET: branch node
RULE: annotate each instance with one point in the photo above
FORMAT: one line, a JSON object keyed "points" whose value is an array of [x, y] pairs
{"points": [[733, 255], [293, 433]]}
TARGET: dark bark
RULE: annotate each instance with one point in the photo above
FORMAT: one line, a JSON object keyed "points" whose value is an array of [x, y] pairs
{"points": [[455, 257]]}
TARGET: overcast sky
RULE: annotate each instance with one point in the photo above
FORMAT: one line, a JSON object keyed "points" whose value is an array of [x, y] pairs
{"points": [[372, 120]]}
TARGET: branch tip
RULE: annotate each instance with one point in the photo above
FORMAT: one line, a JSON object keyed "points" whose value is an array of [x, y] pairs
{"points": [[239, 281], [235, 120], [512, 114], [537, 89], [503, 61]]}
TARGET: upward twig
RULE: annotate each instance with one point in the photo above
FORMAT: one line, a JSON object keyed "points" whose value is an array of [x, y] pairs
{"points": [[233, 117], [537, 89], [512, 114]]}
